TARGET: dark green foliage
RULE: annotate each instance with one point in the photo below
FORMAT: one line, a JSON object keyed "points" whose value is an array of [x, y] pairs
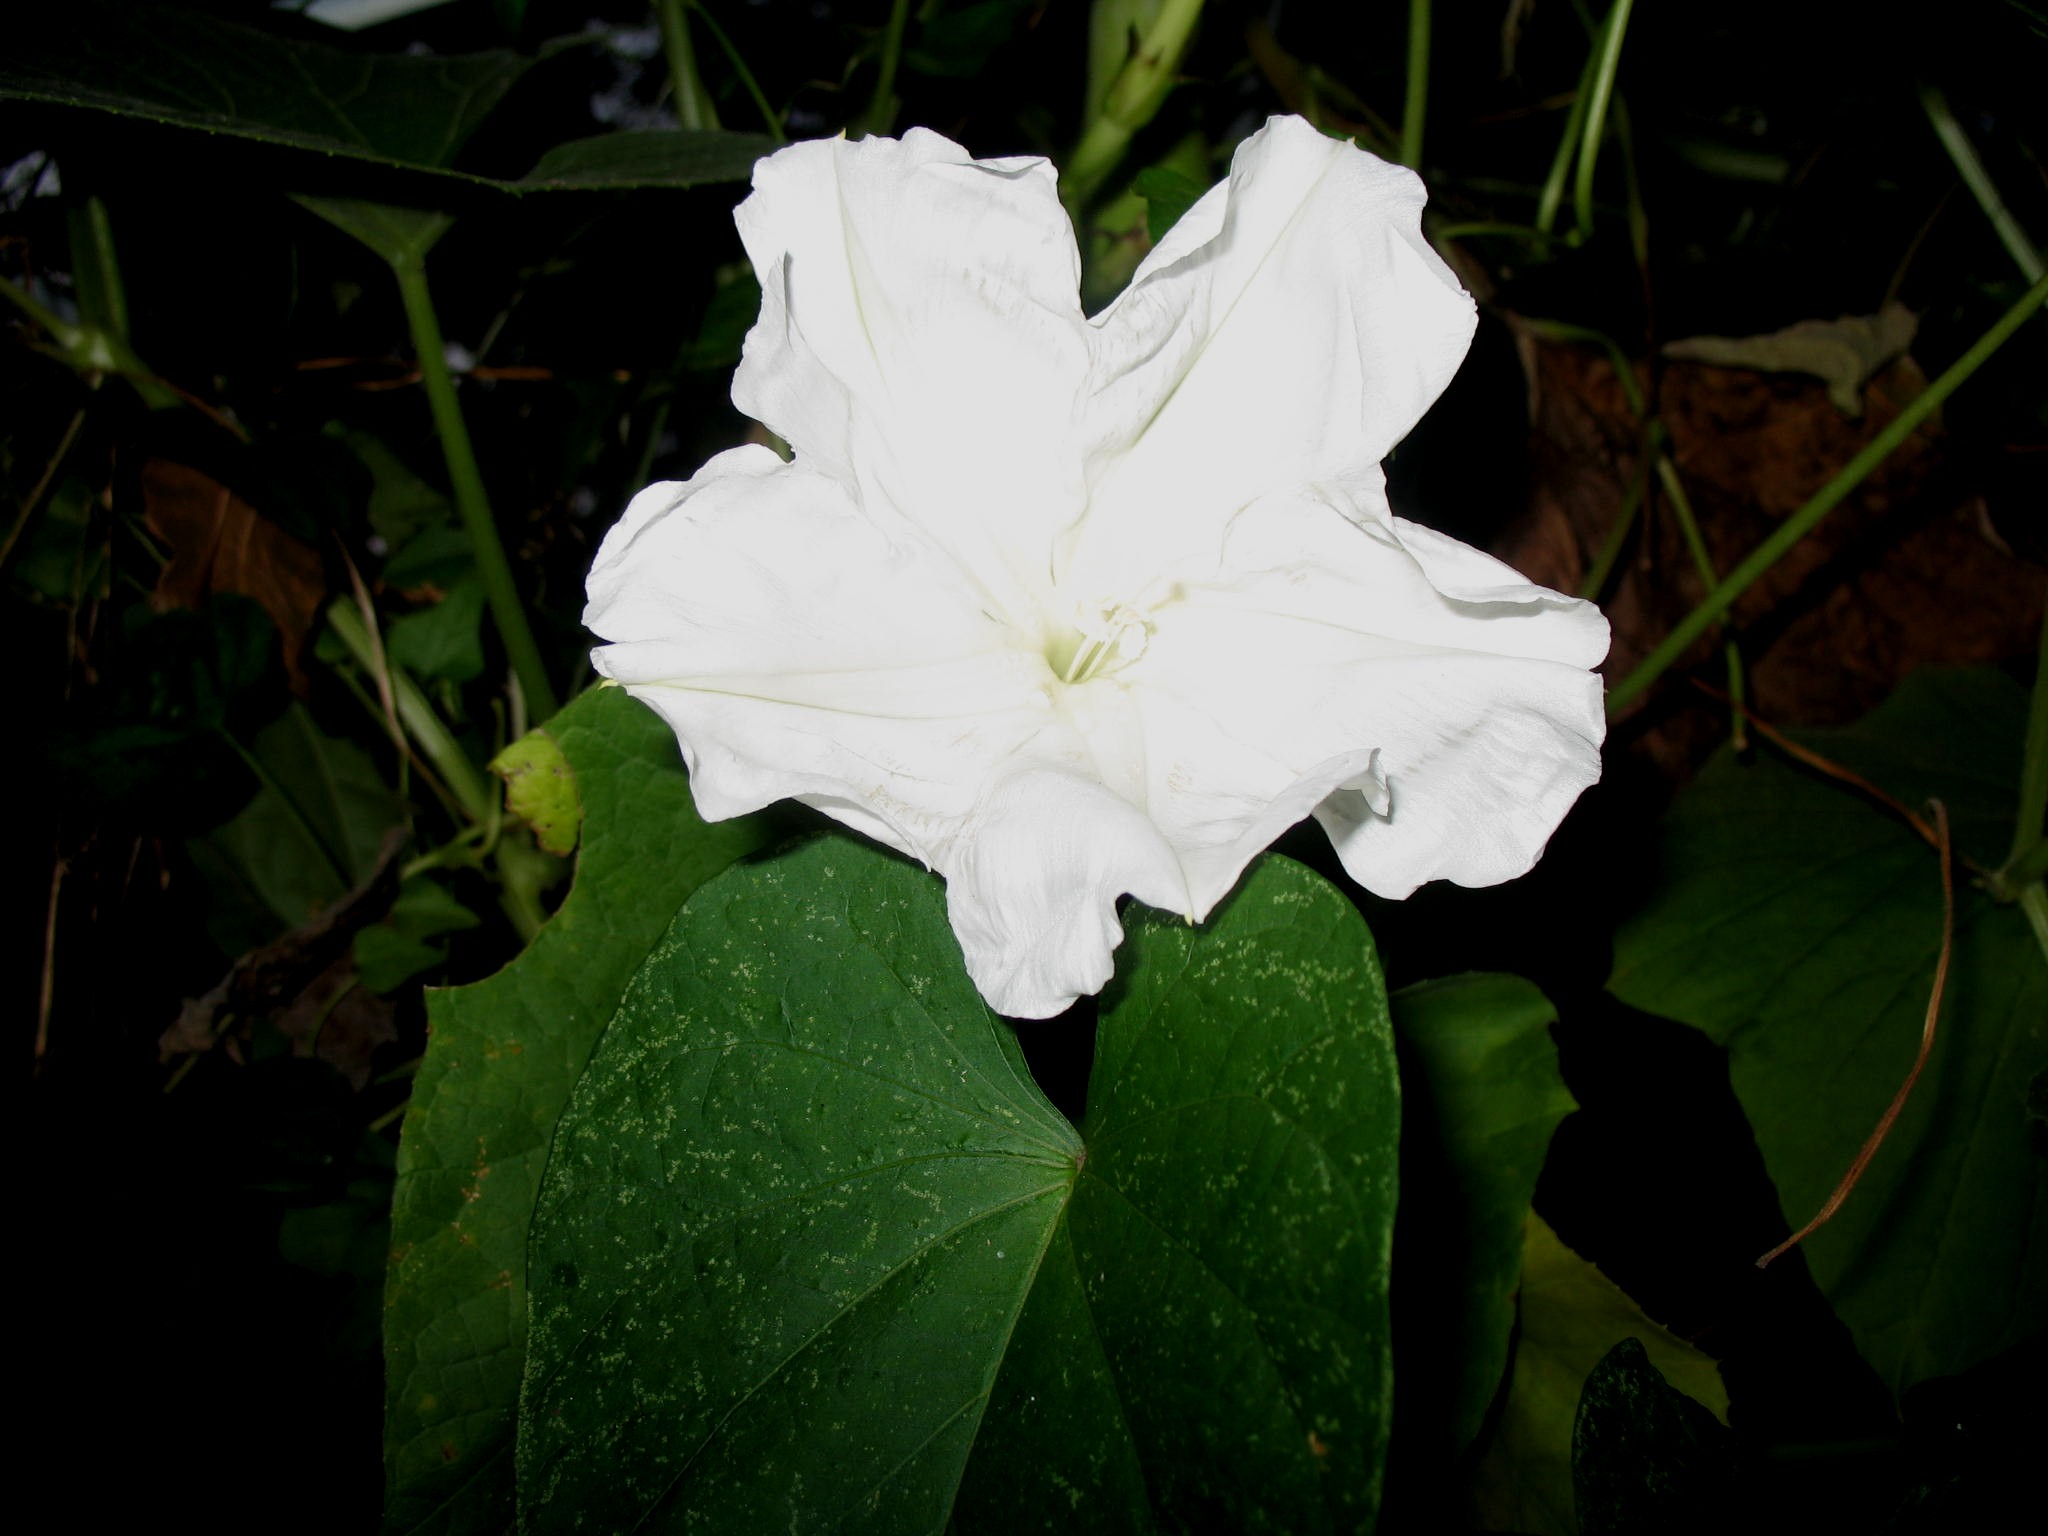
{"points": [[813, 1248]]}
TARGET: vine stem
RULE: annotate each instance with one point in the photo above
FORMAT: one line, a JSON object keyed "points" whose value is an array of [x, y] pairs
{"points": [[405, 706], [1415, 103], [1767, 554], [1609, 55], [1134, 98], [467, 482], [693, 103], [881, 113]]}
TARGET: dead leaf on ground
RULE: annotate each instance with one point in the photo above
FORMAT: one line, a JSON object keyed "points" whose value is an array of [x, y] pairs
{"points": [[1844, 354], [219, 543], [1903, 575], [340, 1021]]}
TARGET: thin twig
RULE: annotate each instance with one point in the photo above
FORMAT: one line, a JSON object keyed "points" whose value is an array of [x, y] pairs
{"points": [[1891, 1114], [35, 497], [49, 986]]}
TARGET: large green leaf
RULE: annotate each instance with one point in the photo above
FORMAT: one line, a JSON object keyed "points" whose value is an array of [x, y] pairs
{"points": [[501, 1061], [1799, 925], [315, 827], [170, 65], [813, 1252], [185, 69], [1482, 1096]]}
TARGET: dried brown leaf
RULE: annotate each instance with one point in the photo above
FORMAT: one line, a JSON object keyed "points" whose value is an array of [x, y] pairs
{"points": [[219, 543]]}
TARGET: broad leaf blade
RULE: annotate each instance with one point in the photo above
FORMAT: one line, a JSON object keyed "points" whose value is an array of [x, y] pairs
{"points": [[1481, 1096], [812, 1247], [177, 68], [501, 1061], [1218, 1307], [796, 1198], [1799, 925], [166, 64]]}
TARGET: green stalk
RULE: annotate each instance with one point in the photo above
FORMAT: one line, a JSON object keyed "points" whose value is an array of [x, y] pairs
{"points": [[1971, 168], [1703, 562], [467, 482], [1415, 103], [96, 269], [1617, 536], [769, 115], [1444, 233], [1611, 35], [1551, 198], [1134, 98], [881, 113], [1800, 523], [417, 716], [693, 103]]}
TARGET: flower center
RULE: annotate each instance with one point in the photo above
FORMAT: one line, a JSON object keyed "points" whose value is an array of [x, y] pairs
{"points": [[1103, 637]]}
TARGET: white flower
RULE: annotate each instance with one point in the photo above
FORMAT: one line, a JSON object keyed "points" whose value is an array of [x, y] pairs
{"points": [[1070, 608]]}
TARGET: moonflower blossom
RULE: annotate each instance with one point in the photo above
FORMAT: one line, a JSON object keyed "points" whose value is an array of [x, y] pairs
{"points": [[1070, 608]]}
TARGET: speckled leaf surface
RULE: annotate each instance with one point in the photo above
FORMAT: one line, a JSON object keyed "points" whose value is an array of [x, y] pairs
{"points": [[1799, 925], [501, 1060], [814, 1253]]}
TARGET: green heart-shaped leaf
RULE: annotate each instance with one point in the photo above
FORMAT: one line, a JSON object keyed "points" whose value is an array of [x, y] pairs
{"points": [[499, 1066], [1799, 925], [813, 1251]]}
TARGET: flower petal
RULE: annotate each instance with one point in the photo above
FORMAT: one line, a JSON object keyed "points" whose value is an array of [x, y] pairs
{"points": [[1436, 735], [1290, 329], [1033, 888], [801, 652], [921, 338]]}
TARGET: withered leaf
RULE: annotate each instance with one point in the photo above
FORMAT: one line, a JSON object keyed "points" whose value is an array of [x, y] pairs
{"points": [[220, 543]]}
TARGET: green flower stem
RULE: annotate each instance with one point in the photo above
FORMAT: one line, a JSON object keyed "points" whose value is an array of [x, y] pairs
{"points": [[881, 113], [1767, 554], [769, 116], [1415, 103], [1551, 198], [89, 349], [1445, 233], [467, 481], [1612, 33], [524, 871], [96, 269], [417, 716], [1611, 547], [1703, 562], [1134, 98], [1971, 168], [693, 103]]}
